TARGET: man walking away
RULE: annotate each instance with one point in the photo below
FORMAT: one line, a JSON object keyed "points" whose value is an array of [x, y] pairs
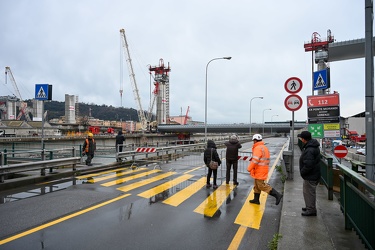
{"points": [[89, 147], [232, 158], [310, 171], [258, 169], [120, 139]]}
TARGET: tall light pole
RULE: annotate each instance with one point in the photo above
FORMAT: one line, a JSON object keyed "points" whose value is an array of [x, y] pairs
{"points": [[263, 119], [259, 97], [271, 122], [205, 99]]}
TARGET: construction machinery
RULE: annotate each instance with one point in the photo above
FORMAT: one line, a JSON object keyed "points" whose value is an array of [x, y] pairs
{"points": [[23, 109], [141, 115], [161, 93]]}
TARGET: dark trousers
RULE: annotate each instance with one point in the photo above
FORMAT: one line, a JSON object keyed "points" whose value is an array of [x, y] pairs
{"points": [[89, 158], [235, 167], [309, 195], [210, 171]]}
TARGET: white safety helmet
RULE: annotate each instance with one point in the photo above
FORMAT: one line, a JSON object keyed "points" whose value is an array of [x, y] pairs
{"points": [[257, 137]]}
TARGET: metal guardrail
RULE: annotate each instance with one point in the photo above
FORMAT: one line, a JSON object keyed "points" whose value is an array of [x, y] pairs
{"points": [[38, 165], [358, 204]]}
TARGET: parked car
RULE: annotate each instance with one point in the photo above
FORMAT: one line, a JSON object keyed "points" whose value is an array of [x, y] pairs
{"points": [[361, 151]]}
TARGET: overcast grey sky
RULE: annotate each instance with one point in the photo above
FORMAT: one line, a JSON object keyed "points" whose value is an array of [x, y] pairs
{"points": [[75, 46]]}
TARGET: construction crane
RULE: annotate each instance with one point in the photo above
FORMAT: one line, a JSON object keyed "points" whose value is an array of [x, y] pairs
{"points": [[24, 110], [186, 116], [137, 98]]}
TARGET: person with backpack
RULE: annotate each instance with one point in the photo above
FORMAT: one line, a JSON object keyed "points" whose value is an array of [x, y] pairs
{"points": [[210, 154]]}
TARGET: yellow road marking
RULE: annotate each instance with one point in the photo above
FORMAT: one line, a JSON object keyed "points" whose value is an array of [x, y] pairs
{"points": [[197, 168], [213, 202], [167, 185], [122, 180], [186, 193], [236, 241], [145, 182], [35, 229], [98, 174], [111, 176]]}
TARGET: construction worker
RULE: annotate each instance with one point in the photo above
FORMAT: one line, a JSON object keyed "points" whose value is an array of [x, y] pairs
{"points": [[258, 169], [89, 147]]}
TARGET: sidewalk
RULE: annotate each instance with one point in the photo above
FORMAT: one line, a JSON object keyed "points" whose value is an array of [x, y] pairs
{"points": [[324, 231]]}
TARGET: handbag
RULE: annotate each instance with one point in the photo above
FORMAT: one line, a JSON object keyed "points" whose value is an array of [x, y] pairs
{"points": [[213, 164]]}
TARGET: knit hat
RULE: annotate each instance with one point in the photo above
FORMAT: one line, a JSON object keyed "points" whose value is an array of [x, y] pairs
{"points": [[305, 135]]}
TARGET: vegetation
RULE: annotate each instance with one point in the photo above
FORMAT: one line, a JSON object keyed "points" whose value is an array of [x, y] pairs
{"points": [[103, 112], [272, 245], [280, 170]]}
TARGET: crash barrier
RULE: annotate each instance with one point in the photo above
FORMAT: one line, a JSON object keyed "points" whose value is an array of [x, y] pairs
{"points": [[358, 204], [19, 156], [157, 156], [38, 165]]}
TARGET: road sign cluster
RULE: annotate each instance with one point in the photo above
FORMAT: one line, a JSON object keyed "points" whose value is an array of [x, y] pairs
{"points": [[293, 102]]}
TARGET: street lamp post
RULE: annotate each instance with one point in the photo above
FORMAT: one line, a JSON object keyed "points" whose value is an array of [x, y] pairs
{"points": [[205, 99], [263, 119], [259, 97], [271, 122]]}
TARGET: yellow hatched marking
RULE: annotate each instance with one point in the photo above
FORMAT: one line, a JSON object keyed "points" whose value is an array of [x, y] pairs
{"points": [[97, 179], [186, 193], [98, 174], [145, 182], [122, 180], [213, 202], [157, 190], [52, 223], [251, 214]]}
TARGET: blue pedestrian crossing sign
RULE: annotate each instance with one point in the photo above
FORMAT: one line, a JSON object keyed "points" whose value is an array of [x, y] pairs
{"points": [[321, 79], [43, 92]]}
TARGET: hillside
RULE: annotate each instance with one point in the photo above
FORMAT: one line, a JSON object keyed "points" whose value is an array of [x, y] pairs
{"points": [[57, 109]]}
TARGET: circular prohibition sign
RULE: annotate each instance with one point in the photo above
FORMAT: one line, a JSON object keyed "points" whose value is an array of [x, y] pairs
{"points": [[293, 102], [293, 85]]}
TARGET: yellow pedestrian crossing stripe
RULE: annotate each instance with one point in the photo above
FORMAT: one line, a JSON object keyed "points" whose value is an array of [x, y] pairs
{"points": [[185, 193], [133, 177], [213, 202], [145, 182], [119, 173], [167, 185]]}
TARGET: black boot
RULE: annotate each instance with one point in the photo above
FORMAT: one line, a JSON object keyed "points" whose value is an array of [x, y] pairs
{"points": [[276, 194], [256, 199]]}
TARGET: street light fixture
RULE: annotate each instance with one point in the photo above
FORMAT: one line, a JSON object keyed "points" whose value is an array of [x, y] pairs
{"points": [[259, 97], [263, 119], [271, 122], [205, 100]]}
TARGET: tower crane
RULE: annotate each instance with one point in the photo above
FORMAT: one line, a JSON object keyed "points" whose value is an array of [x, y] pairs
{"points": [[24, 110], [137, 98]]}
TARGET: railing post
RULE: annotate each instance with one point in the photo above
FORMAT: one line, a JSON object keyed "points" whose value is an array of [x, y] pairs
{"points": [[5, 157]]}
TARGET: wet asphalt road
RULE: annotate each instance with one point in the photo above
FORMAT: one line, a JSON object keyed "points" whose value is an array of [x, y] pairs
{"points": [[96, 214]]}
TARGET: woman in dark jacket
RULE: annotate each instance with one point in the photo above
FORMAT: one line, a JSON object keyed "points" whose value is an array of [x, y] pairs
{"points": [[211, 150]]}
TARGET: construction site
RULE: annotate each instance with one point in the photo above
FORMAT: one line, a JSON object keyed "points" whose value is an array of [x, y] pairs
{"points": [[19, 118]]}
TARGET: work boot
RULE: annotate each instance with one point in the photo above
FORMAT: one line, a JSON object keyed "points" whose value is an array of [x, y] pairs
{"points": [[256, 199], [276, 194]]}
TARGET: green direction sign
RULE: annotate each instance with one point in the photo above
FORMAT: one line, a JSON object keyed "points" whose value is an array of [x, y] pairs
{"points": [[316, 130]]}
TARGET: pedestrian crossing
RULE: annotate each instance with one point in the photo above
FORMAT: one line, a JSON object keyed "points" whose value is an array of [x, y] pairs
{"points": [[185, 185]]}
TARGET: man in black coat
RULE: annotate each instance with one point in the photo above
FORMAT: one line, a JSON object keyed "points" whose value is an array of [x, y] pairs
{"points": [[309, 165], [232, 158]]}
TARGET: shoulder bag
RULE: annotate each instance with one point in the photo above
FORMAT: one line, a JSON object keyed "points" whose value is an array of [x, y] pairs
{"points": [[213, 164]]}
